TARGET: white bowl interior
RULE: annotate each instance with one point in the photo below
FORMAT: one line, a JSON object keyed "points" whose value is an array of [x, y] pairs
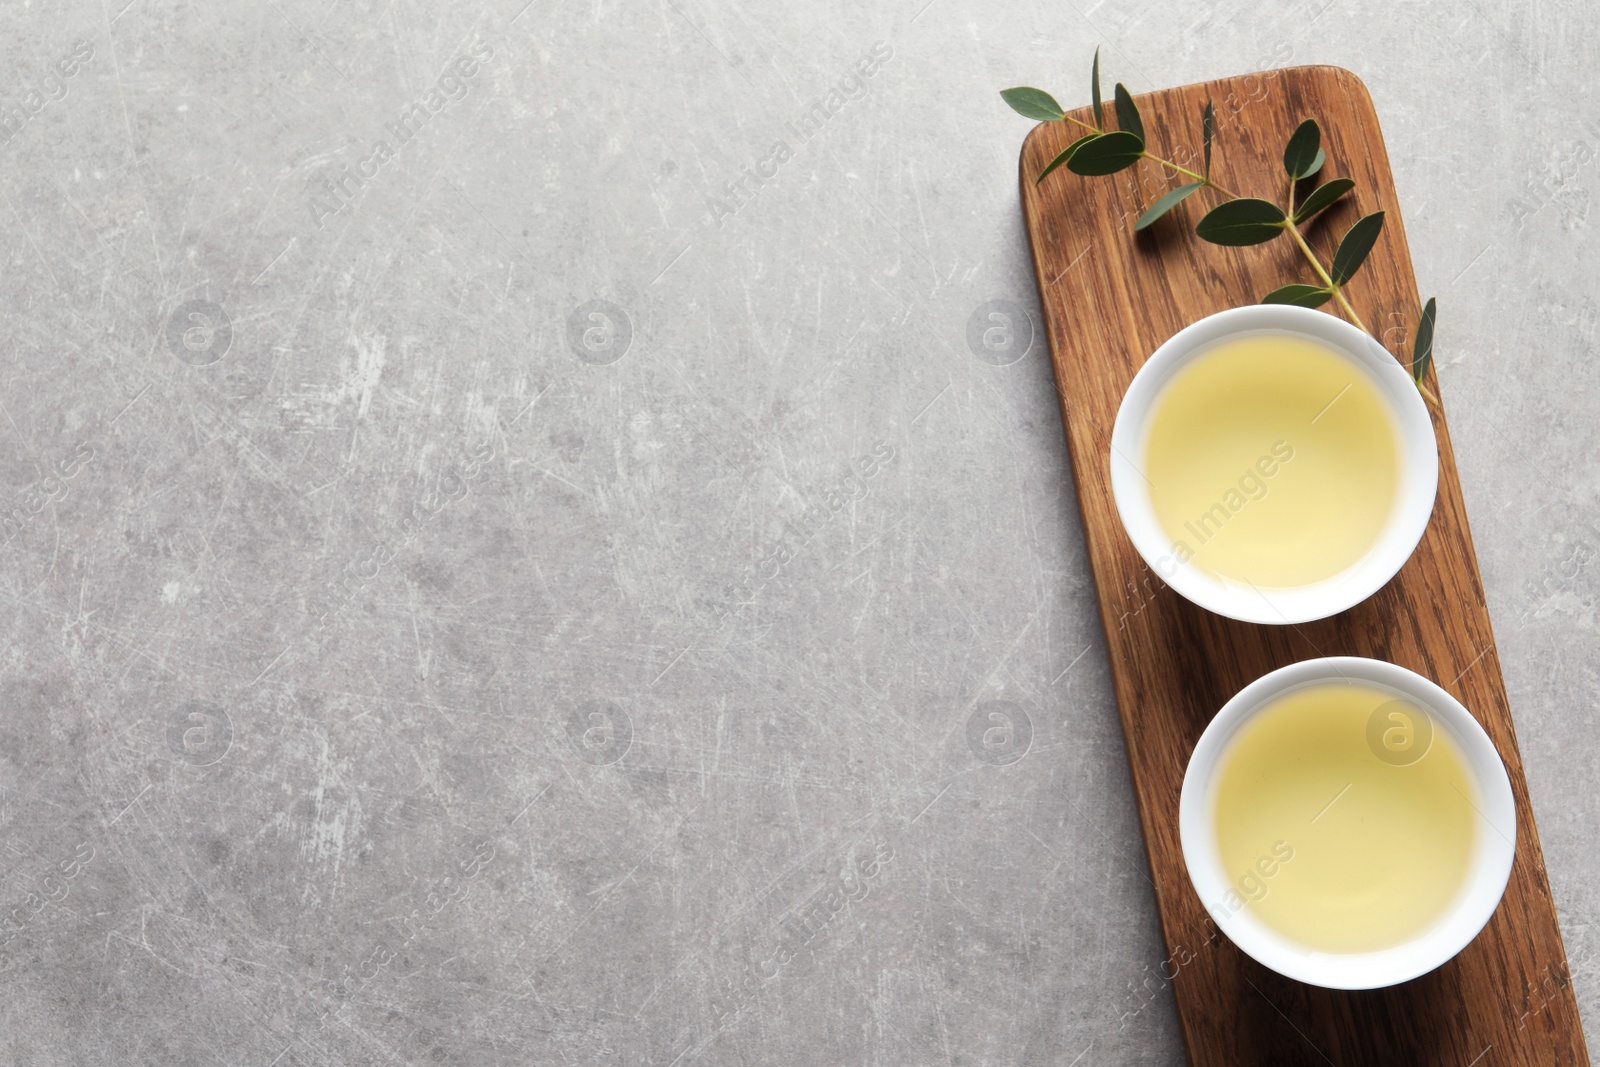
{"points": [[1418, 469], [1480, 894]]}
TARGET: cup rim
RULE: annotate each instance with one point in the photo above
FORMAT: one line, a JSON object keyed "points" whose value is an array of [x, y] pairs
{"points": [[1481, 890], [1414, 499]]}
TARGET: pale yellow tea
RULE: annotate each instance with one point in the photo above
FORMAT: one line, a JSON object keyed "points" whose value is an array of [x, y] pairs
{"points": [[1272, 461], [1345, 819]]}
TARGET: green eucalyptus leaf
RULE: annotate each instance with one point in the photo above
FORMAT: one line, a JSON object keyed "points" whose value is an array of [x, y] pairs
{"points": [[1300, 295], [1166, 204], [1422, 350], [1354, 246], [1094, 78], [1323, 196], [1107, 153], [1208, 122], [1066, 154], [1244, 221], [1128, 113], [1302, 156], [1033, 103], [1316, 164]]}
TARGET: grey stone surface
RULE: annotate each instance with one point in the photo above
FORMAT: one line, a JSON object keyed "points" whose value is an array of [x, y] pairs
{"points": [[415, 646]]}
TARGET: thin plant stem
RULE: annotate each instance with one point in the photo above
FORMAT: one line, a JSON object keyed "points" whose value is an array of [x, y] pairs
{"points": [[1201, 178], [1316, 264], [1338, 293]]}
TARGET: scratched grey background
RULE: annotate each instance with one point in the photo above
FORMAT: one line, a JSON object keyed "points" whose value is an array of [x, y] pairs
{"points": [[589, 591]]}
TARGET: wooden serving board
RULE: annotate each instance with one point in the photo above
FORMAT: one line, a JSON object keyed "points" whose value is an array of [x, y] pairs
{"points": [[1110, 297]]}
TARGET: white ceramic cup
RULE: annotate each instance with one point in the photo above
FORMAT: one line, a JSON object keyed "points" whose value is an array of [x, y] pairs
{"points": [[1418, 469], [1483, 885]]}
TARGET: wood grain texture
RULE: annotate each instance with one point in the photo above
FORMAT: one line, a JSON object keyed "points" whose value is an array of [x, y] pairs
{"points": [[1110, 298]]}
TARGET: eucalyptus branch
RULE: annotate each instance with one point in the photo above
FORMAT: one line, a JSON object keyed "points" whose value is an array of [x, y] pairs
{"points": [[1202, 179], [1237, 221], [1316, 265], [1186, 172]]}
